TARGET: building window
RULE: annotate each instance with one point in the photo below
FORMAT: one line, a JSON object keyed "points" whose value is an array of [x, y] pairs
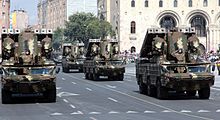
{"points": [[133, 27], [161, 3], [132, 3], [199, 23], [205, 3], [175, 3], [168, 22], [190, 3], [146, 3]]}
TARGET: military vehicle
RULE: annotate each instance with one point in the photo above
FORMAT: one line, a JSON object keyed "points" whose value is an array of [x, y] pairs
{"points": [[173, 62], [27, 68], [73, 56], [103, 60]]}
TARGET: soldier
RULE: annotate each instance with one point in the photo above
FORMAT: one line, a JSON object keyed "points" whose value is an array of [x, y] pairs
{"points": [[8, 47], [47, 46]]}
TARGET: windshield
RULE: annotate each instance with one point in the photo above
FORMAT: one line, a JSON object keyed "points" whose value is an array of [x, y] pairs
{"points": [[40, 71], [197, 69], [28, 71]]}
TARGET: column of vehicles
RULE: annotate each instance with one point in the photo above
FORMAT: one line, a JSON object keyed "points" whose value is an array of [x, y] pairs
{"points": [[27, 67], [100, 59]]}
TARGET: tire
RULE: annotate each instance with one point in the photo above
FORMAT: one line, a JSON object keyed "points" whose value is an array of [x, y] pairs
{"points": [[151, 91], [142, 87], [191, 93], [121, 77], [87, 76], [162, 92], [95, 76], [51, 94], [6, 97], [204, 93]]}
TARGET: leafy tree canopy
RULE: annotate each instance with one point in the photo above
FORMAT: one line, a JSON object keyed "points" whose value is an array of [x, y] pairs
{"points": [[85, 26]]}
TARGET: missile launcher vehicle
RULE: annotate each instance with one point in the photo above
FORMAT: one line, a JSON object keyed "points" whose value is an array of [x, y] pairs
{"points": [[173, 61], [27, 68], [73, 56], [103, 60]]}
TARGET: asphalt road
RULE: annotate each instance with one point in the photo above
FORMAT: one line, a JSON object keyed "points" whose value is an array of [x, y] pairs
{"points": [[81, 99]]}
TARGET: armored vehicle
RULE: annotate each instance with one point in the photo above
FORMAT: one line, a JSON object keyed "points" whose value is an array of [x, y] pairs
{"points": [[103, 60], [27, 68], [73, 56], [173, 61]]}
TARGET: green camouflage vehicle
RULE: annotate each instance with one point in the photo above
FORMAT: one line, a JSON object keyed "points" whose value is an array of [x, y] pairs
{"points": [[27, 67], [73, 56], [103, 60], [173, 61]]}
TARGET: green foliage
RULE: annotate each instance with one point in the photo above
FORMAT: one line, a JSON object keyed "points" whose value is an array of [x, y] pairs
{"points": [[85, 26], [57, 38]]}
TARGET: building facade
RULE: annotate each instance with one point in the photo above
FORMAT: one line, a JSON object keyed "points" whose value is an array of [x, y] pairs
{"points": [[19, 20], [5, 12], [53, 13], [132, 18]]}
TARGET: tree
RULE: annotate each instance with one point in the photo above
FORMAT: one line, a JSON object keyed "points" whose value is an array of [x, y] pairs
{"points": [[57, 38], [85, 26]]}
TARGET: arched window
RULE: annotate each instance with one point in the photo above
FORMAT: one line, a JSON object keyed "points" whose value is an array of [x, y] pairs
{"points": [[167, 22], [175, 3], [146, 3], [161, 3], [205, 3], [190, 3], [132, 3], [199, 23], [133, 27]]}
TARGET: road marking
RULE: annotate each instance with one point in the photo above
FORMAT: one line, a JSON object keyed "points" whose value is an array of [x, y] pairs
{"points": [[72, 106], [74, 83], [142, 100], [113, 112], [77, 113], [94, 113], [131, 112], [120, 81], [56, 114], [66, 101], [63, 79], [93, 118], [112, 99], [58, 88], [65, 94], [185, 111], [215, 88], [218, 110], [203, 111], [88, 89], [129, 80], [110, 86], [167, 111], [149, 111]]}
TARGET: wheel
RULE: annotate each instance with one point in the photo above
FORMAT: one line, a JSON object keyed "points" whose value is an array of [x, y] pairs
{"points": [[6, 97], [162, 92], [151, 91], [191, 93], [204, 93], [121, 77], [87, 75], [95, 76], [51, 94], [142, 87], [80, 70]]}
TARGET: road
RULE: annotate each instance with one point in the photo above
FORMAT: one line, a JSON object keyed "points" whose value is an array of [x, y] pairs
{"points": [[81, 99]]}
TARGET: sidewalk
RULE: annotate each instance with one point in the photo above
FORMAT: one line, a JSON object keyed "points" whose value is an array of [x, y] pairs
{"points": [[217, 78]]}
